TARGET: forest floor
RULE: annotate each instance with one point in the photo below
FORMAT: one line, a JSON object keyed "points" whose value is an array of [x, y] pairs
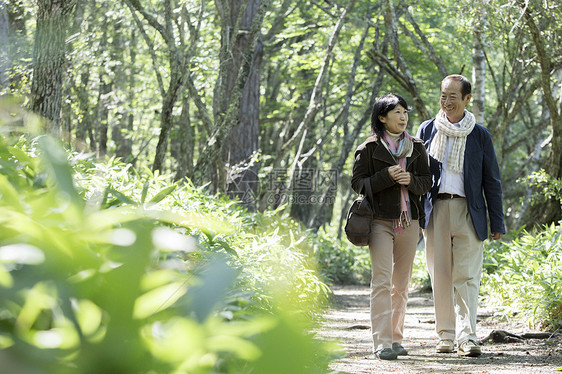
{"points": [[347, 322]]}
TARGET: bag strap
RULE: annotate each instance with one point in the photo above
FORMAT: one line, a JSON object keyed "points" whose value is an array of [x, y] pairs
{"points": [[368, 191]]}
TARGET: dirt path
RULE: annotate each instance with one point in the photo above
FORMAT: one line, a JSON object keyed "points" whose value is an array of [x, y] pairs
{"points": [[348, 322]]}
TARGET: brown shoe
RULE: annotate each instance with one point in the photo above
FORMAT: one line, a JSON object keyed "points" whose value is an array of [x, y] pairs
{"points": [[469, 348]]}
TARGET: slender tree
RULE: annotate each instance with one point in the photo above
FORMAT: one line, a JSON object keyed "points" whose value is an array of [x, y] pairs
{"points": [[479, 63], [5, 41]]}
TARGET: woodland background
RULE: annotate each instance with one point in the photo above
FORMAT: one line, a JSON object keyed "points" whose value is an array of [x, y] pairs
{"points": [[266, 99], [175, 174]]}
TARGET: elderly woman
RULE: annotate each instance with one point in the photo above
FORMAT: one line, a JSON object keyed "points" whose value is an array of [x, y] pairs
{"points": [[396, 166]]}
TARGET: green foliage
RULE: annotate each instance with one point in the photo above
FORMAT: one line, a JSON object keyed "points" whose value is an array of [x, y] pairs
{"points": [[420, 275], [524, 276], [544, 186], [341, 262], [105, 270]]}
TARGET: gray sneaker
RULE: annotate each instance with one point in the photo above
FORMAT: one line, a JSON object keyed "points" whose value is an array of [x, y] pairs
{"points": [[386, 354], [469, 348], [445, 346], [400, 351]]}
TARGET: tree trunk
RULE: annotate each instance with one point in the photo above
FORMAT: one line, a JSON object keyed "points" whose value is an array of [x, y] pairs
{"points": [[5, 58], [552, 211], [84, 119], [328, 182], [128, 146], [120, 123], [242, 143], [186, 141], [226, 120], [13, 39], [166, 117], [102, 116], [479, 64], [399, 71], [49, 60], [68, 118]]}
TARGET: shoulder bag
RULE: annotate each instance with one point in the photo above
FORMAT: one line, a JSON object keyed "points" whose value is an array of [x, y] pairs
{"points": [[360, 217]]}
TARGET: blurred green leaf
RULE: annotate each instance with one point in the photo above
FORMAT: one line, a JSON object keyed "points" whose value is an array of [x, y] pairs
{"points": [[162, 194], [89, 316], [144, 191], [240, 347], [121, 197], [158, 299], [215, 279], [62, 174]]}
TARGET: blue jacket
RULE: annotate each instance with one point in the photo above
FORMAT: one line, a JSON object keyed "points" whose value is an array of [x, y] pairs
{"points": [[482, 184]]}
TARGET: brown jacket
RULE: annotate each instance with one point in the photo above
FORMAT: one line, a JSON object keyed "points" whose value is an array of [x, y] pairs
{"points": [[372, 160]]}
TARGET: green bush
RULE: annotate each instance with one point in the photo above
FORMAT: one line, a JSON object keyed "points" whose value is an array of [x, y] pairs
{"points": [[341, 262], [524, 276], [106, 270]]}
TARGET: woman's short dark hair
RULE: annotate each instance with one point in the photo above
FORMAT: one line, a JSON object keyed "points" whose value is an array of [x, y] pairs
{"points": [[382, 106]]}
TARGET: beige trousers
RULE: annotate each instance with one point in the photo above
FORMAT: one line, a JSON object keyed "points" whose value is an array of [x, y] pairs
{"points": [[392, 257], [454, 258]]}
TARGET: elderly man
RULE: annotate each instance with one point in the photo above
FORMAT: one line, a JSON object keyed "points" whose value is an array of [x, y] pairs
{"points": [[466, 189]]}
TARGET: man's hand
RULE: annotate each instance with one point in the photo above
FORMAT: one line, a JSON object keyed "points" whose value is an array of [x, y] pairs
{"points": [[497, 235]]}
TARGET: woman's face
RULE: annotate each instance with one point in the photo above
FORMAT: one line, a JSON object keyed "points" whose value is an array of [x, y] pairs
{"points": [[396, 120]]}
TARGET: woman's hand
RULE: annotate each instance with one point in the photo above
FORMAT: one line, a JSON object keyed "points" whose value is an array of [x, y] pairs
{"points": [[403, 178], [399, 175], [394, 172]]}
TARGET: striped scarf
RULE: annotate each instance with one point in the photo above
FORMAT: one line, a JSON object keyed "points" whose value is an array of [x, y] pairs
{"points": [[446, 129]]}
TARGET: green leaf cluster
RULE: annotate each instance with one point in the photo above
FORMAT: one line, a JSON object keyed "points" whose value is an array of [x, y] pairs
{"points": [[523, 277], [106, 269], [342, 262]]}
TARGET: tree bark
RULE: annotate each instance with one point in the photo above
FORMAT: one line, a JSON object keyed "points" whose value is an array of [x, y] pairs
{"points": [[49, 60], [120, 122], [105, 85], [186, 141], [242, 143], [128, 146], [226, 121], [177, 73], [84, 123], [552, 211], [479, 65], [5, 60], [13, 39], [178, 56]]}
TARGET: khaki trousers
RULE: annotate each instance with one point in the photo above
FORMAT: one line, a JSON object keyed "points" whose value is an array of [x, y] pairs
{"points": [[392, 257], [454, 258]]}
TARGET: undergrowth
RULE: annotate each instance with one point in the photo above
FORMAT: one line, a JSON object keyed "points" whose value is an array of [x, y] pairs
{"points": [[105, 269], [523, 276]]}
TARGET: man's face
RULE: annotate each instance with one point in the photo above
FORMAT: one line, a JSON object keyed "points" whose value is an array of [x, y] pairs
{"points": [[452, 102]]}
